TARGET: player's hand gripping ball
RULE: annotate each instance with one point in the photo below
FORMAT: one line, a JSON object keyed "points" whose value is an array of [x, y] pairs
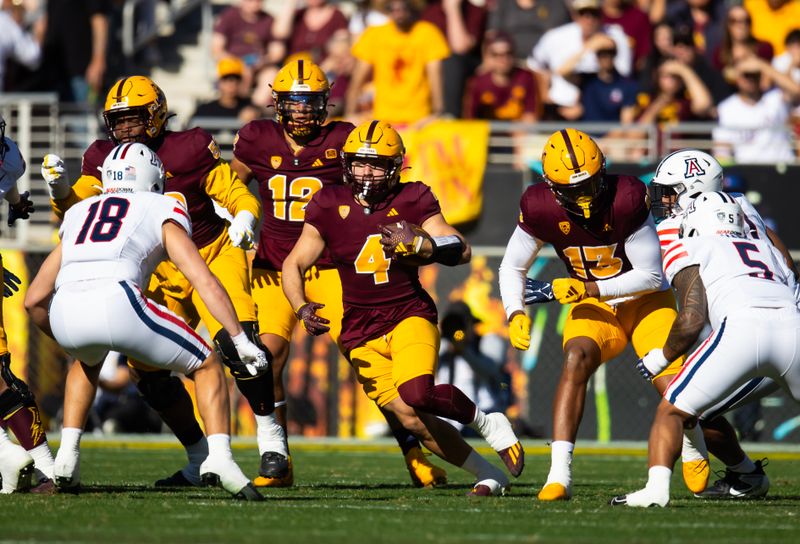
{"points": [[403, 239]]}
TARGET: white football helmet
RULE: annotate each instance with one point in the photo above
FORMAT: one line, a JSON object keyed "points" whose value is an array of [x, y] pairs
{"points": [[132, 167], [681, 176], [713, 214]]}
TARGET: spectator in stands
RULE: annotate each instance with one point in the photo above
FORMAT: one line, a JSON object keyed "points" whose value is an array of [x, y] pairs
{"points": [[753, 122], [685, 51], [636, 25], [338, 66], [229, 103], [738, 40], [680, 95], [662, 50], [16, 44], [705, 19], [75, 44], [526, 21], [566, 52], [245, 31], [789, 63], [405, 56], [773, 20], [608, 96], [368, 13], [502, 90], [464, 25], [308, 29]]}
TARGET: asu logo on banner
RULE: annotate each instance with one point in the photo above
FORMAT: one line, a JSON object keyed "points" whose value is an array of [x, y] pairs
{"points": [[450, 156]]}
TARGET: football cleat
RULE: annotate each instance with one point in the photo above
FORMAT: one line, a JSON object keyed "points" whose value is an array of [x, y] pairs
{"points": [[67, 469], [500, 436], [644, 498], [276, 470], [555, 492], [489, 488], [219, 471], [16, 469], [695, 475], [179, 479], [423, 473], [735, 485]]}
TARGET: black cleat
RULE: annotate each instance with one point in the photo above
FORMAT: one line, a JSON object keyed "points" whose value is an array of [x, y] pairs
{"points": [[249, 493], [176, 480], [273, 465], [735, 485]]}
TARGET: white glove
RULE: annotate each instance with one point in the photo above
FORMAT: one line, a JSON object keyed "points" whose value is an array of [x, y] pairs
{"points": [[253, 357], [652, 364], [54, 172], [240, 231]]}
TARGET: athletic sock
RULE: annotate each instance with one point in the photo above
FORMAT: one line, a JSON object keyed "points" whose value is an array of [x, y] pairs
{"points": [[219, 445], [270, 435], [479, 467], [561, 462], [658, 480], [746, 466], [694, 445]]}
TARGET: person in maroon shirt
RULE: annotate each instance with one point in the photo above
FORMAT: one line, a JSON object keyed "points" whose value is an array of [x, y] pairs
{"points": [[636, 25], [738, 42], [378, 232], [291, 159], [308, 29], [503, 91]]}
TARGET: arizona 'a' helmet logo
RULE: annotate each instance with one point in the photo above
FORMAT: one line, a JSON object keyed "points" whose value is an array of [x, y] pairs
{"points": [[693, 168]]}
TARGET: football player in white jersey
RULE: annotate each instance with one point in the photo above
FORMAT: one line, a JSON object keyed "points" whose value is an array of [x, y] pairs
{"points": [[110, 245], [18, 409], [680, 177], [739, 284]]}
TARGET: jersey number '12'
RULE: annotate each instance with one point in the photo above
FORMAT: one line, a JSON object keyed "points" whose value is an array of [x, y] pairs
{"points": [[107, 226], [299, 189]]}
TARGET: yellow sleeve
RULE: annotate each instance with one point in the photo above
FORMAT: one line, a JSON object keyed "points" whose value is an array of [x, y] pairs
{"points": [[364, 48], [86, 186], [225, 187], [437, 48]]}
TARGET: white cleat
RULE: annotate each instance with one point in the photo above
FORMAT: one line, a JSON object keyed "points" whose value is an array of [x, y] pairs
{"points": [[644, 498], [499, 433], [16, 469], [227, 474], [67, 469]]}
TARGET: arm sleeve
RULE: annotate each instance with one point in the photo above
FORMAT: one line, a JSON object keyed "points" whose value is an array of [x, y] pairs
{"points": [[644, 253], [225, 187], [520, 253], [86, 187]]}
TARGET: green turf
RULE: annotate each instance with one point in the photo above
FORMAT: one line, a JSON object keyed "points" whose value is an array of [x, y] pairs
{"points": [[365, 496]]}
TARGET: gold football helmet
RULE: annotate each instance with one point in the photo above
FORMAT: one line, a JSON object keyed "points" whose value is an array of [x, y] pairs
{"points": [[574, 168], [378, 145], [131, 97], [300, 92]]}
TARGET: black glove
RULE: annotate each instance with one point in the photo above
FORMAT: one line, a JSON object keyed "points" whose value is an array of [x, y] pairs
{"points": [[537, 291], [21, 210], [11, 283], [312, 323]]}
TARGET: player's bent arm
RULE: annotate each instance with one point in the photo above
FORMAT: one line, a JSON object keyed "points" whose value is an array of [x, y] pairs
{"points": [[646, 273], [686, 328], [242, 170], [521, 251], [305, 253], [438, 227], [224, 185], [85, 187], [778, 243], [183, 253], [37, 299]]}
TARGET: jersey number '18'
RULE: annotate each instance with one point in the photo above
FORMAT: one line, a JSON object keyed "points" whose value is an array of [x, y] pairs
{"points": [[107, 224]]}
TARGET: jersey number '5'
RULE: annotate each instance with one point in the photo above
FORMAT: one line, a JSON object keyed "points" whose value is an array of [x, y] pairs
{"points": [[108, 223]]}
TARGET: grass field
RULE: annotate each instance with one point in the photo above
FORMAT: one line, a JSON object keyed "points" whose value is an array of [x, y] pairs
{"points": [[355, 494]]}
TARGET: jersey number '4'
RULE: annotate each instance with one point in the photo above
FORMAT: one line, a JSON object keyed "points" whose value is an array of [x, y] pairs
{"points": [[372, 260], [108, 223], [744, 249], [606, 265], [299, 190]]}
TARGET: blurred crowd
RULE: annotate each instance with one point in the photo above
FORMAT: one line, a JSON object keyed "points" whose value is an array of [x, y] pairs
{"points": [[627, 62]]}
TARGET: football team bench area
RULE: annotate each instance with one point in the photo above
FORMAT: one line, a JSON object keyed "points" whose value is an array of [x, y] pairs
{"points": [[360, 492]]}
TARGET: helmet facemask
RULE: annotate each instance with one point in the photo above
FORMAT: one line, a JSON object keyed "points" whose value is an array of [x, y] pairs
{"points": [[664, 200], [128, 134], [368, 187], [582, 198], [312, 106]]}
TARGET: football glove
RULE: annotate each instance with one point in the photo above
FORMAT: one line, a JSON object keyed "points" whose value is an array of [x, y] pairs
{"points": [[537, 291], [240, 231], [403, 239], [519, 332], [254, 358], [312, 323], [11, 283], [652, 364], [21, 210], [54, 172], [568, 290]]}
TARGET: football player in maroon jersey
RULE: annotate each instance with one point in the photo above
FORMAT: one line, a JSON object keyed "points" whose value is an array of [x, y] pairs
{"points": [[293, 158], [136, 111], [378, 232]]}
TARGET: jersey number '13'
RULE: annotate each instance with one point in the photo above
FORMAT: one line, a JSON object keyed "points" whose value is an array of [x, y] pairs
{"points": [[108, 222]]}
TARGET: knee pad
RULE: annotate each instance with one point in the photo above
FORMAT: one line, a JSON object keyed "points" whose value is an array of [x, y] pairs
{"points": [[230, 357], [159, 389], [14, 384], [416, 391]]}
